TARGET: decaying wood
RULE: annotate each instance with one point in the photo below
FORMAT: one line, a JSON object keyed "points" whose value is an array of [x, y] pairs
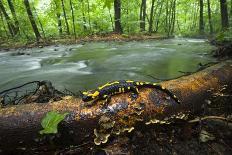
{"points": [[20, 125]]}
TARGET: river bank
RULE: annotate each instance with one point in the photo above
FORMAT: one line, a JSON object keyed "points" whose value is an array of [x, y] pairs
{"points": [[6, 45]]}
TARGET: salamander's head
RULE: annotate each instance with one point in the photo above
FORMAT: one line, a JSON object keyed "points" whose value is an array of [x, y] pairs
{"points": [[89, 95]]}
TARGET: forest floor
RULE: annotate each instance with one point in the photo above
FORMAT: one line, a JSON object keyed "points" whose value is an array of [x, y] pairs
{"points": [[12, 44]]}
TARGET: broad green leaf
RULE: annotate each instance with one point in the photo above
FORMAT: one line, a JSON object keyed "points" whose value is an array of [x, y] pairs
{"points": [[51, 121]]}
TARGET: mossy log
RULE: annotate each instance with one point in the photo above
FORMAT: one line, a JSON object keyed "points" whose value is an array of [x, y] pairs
{"points": [[20, 124]]}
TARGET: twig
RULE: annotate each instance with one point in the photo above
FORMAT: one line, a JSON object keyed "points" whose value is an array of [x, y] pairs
{"points": [[209, 117]]}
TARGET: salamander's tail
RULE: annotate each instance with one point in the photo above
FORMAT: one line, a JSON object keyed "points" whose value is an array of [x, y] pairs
{"points": [[157, 86]]}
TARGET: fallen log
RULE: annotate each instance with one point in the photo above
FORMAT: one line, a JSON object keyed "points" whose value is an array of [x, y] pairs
{"points": [[20, 124]]}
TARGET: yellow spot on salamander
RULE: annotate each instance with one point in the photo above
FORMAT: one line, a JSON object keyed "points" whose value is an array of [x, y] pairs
{"points": [[85, 93], [129, 81], [123, 90], [119, 90], [154, 84], [137, 83], [108, 84], [128, 88], [95, 94]]}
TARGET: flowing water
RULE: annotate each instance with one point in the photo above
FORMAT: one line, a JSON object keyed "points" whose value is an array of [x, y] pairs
{"points": [[84, 66]]}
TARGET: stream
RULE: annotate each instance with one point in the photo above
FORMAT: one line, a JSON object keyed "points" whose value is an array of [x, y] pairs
{"points": [[85, 66]]}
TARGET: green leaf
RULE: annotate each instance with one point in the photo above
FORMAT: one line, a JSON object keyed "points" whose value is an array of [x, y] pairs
{"points": [[107, 3], [51, 121]]}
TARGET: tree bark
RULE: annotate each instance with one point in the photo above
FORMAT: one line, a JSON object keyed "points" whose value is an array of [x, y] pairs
{"points": [[201, 20], [11, 6], [32, 20], [4, 27], [65, 17], [209, 16], [224, 15], [117, 16], [143, 15], [59, 21], [11, 27], [151, 16], [90, 27], [40, 23], [158, 16], [19, 125], [73, 20]]}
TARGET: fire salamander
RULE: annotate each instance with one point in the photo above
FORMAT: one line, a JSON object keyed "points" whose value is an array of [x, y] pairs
{"points": [[116, 87]]}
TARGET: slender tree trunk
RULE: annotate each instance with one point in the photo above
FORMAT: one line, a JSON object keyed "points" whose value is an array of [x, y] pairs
{"points": [[84, 21], [167, 16], [111, 19], [40, 23], [201, 20], [209, 16], [90, 27], [11, 27], [65, 17], [73, 20], [117, 16], [32, 20], [11, 6], [143, 15], [224, 14], [4, 27], [173, 17], [158, 16], [59, 22], [151, 16]]}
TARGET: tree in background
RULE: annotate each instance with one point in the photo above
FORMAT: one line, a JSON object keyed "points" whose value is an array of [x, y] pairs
{"points": [[58, 16], [11, 27], [201, 18], [209, 16], [142, 15], [65, 17], [117, 16], [11, 6], [32, 20], [151, 17], [224, 14]]}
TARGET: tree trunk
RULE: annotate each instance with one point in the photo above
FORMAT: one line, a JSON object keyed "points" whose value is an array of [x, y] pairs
{"points": [[117, 16], [11, 27], [40, 23], [224, 14], [65, 17], [32, 20], [20, 125], [111, 19], [158, 16], [173, 17], [11, 6], [59, 21], [73, 20], [209, 16], [151, 16], [4, 27], [143, 15], [201, 20], [90, 27]]}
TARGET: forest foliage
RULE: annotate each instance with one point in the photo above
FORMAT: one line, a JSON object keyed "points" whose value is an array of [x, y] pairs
{"points": [[41, 19]]}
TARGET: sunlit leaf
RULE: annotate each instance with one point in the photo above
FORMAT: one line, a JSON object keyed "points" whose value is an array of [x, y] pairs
{"points": [[51, 121]]}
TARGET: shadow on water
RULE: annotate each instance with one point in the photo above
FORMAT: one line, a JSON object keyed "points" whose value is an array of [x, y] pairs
{"points": [[80, 67]]}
